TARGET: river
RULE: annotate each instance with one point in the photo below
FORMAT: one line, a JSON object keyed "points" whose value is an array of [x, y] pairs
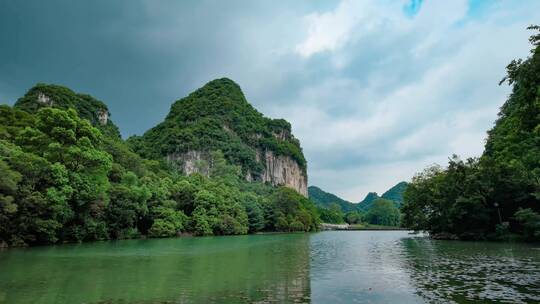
{"points": [[326, 267]]}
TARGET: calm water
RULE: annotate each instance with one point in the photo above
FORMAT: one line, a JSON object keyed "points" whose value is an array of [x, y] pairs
{"points": [[326, 267]]}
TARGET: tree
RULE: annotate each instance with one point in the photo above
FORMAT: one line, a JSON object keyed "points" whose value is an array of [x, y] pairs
{"points": [[333, 214], [383, 212]]}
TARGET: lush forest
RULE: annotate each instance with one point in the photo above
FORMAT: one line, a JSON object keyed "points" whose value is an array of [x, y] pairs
{"points": [[495, 196], [373, 210], [67, 176]]}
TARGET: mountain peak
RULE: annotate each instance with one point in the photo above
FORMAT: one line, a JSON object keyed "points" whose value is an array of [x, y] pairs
{"points": [[324, 199], [51, 95], [221, 87], [396, 193], [217, 116], [371, 196]]}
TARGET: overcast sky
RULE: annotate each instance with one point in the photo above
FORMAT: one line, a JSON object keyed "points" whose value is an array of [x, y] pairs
{"points": [[375, 90]]}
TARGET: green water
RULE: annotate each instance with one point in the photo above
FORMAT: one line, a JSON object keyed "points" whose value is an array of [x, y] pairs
{"points": [[326, 267]]}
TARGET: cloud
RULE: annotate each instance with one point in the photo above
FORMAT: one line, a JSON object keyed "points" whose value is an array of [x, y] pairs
{"points": [[443, 101]]}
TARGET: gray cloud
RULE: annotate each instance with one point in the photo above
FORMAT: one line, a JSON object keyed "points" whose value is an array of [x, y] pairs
{"points": [[374, 92]]}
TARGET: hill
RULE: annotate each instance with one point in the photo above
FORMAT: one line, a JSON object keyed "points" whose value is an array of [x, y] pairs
{"points": [[325, 199], [216, 117], [367, 202], [394, 194], [55, 96]]}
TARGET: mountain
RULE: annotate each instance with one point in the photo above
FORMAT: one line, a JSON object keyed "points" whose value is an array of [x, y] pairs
{"points": [[367, 202], [216, 117], [394, 194], [55, 96], [325, 199]]}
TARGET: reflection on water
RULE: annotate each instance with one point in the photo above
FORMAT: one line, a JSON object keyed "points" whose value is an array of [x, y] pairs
{"points": [[327, 267], [359, 267], [444, 271], [243, 269]]}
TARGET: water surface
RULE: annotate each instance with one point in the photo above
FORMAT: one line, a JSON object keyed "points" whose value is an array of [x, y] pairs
{"points": [[326, 267]]}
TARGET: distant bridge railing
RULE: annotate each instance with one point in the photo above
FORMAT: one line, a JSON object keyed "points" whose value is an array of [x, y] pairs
{"points": [[326, 226]]}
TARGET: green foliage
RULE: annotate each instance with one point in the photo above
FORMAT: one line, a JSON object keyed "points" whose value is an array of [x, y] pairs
{"points": [[66, 178], [395, 193], [368, 201], [89, 108], [290, 211], [530, 223], [473, 199], [354, 217], [332, 215], [325, 199], [255, 212], [327, 204], [383, 212]]}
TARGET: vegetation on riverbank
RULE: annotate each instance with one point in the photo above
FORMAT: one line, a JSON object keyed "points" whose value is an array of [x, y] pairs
{"points": [[67, 176], [372, 210], [382, 212], [496, 196]]}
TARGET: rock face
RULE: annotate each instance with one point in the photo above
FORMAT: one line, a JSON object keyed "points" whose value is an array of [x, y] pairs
{"points": [[284, 171], [189, 162], [103, 116], [44, 99], [278, 170]]}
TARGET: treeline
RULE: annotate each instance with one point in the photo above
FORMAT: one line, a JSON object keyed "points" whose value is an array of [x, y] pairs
{"points": [[65, 178], [496, 196], [382, 212]]}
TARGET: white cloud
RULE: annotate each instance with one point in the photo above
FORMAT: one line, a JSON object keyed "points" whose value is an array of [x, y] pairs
{"points": [[329, 31]]}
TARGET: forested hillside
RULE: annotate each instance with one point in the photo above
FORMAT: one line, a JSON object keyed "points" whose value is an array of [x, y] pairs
{"points": [[325, 199], [496, 196], [216, 117], [371, 210], [394, 194], [67, 176]]}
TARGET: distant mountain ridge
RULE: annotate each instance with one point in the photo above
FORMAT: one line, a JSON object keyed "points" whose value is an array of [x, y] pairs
{"points": [[324, 199], [394, 194]]}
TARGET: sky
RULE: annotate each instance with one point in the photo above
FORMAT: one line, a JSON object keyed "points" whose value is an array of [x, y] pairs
{"points": [[375, 90]]}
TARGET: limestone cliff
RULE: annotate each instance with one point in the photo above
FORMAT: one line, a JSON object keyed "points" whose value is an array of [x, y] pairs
{"points": [[283, 170], [218, 117], [279, 170]]}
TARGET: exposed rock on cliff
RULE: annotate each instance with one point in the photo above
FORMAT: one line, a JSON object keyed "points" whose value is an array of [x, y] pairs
{"points": [[218, 117], [283, 170]]}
